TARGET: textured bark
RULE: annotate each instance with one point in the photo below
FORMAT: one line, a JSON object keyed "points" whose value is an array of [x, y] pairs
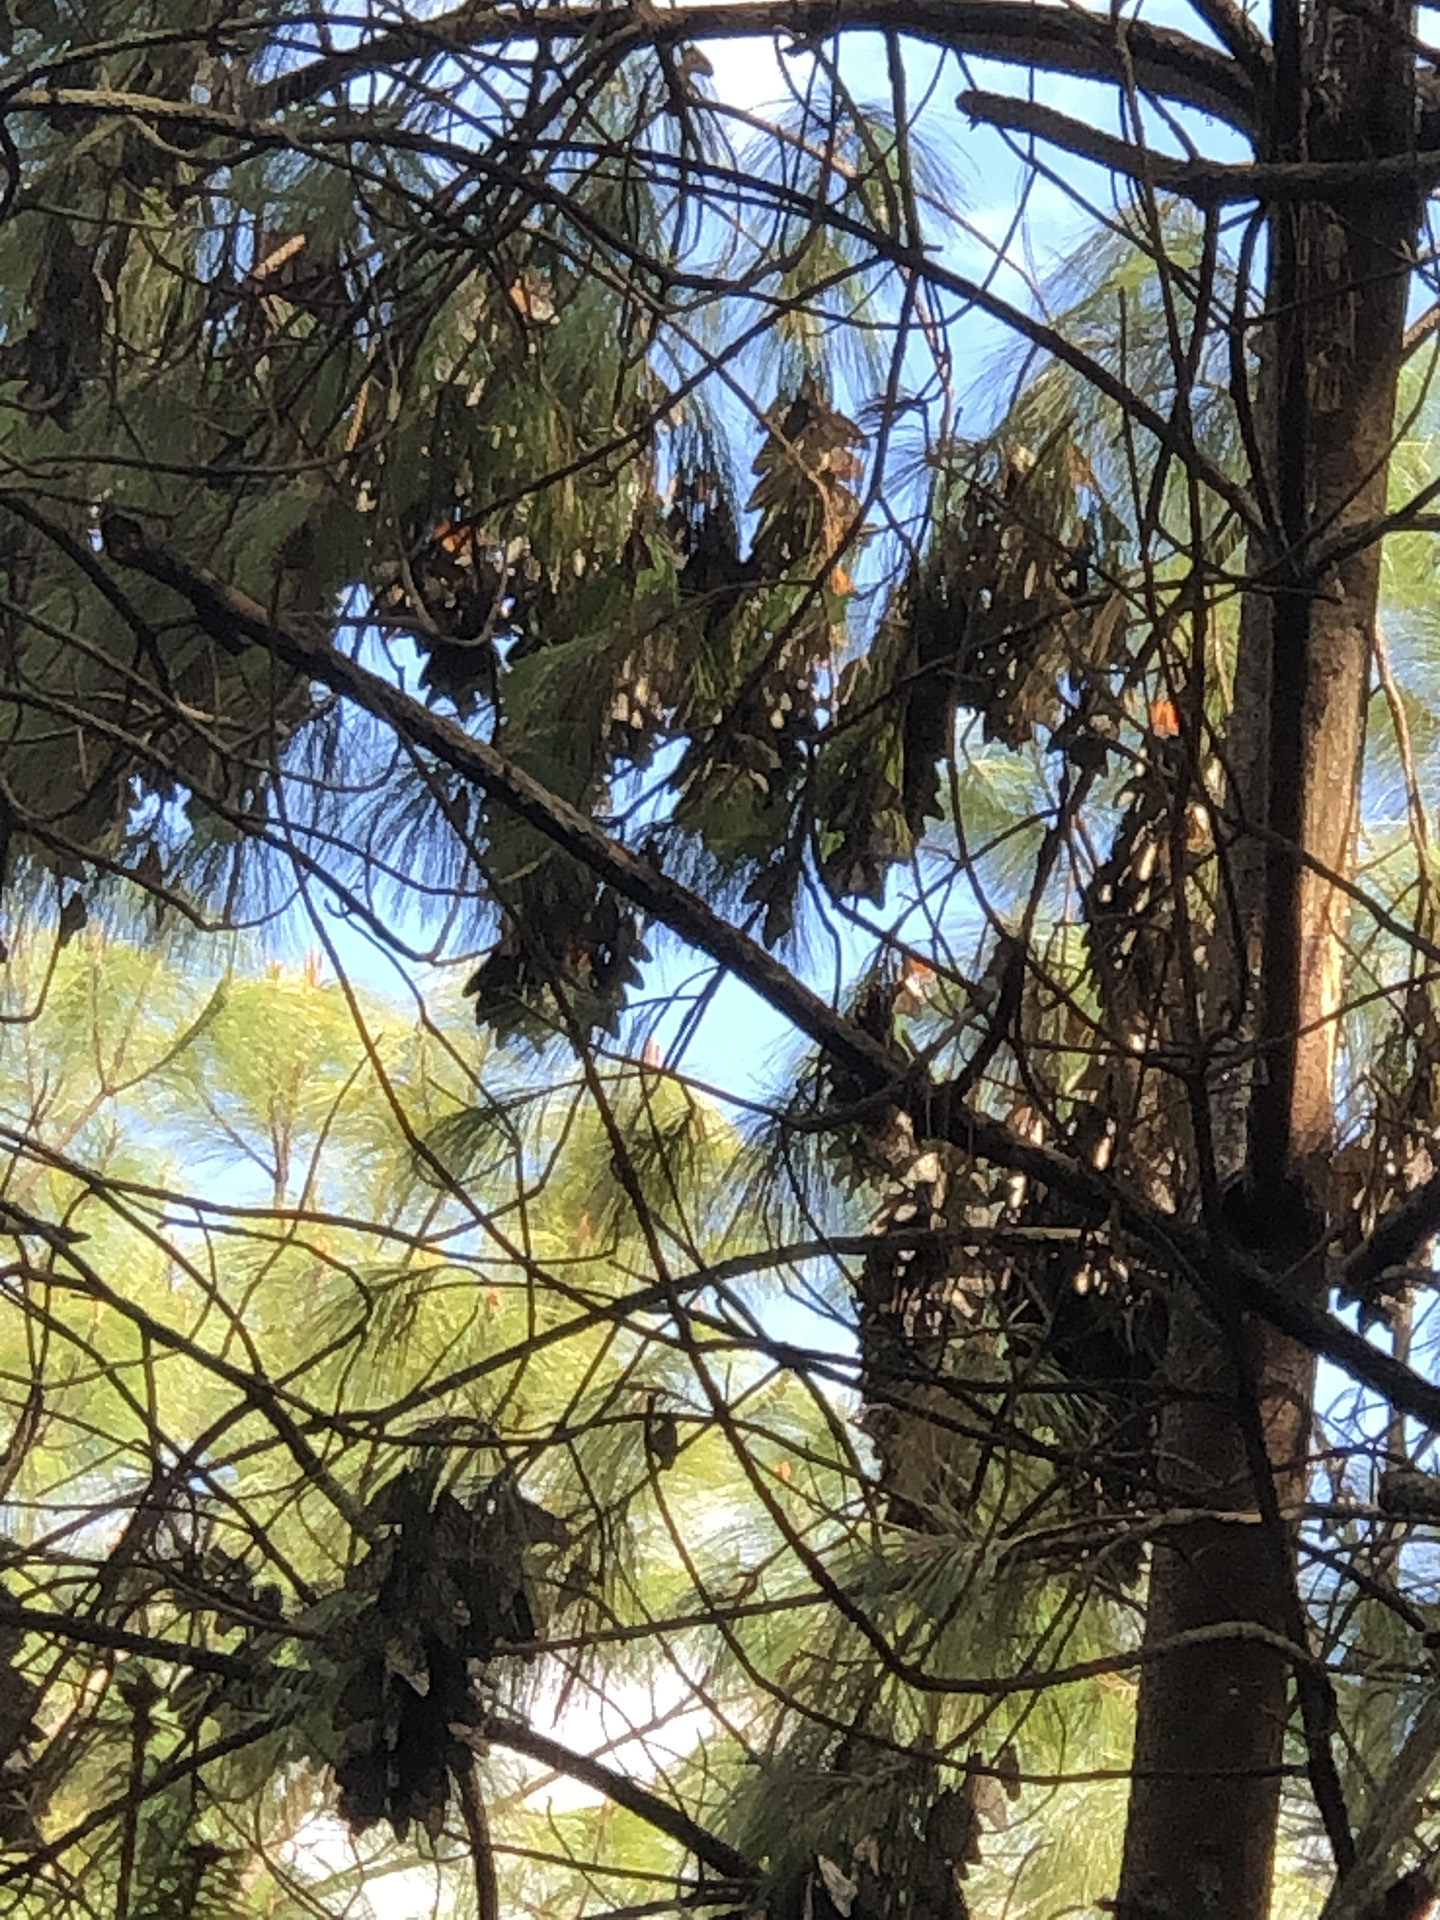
{"points": [[1211, 1721]]}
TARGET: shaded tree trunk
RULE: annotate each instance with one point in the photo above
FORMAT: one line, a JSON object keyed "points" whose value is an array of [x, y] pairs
{"points": [[1211, 1723]]}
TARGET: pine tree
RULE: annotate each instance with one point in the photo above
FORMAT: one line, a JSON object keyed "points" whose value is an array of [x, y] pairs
{"points": [[477, 493]]}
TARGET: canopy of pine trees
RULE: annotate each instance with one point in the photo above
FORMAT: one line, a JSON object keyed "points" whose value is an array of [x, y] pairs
{"points": [[719, 1043]]}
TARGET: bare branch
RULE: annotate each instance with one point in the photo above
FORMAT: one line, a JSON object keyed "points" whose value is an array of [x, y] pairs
{"points": [[707, 1847], [1201, 181], [1393, 1241], [1052, 38]]}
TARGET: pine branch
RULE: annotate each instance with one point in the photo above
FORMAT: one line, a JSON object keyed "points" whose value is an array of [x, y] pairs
{"points": [[1393, 1241], [1172, 435], [1052, 38], [1234, 1280], [1240, 36], [609, 859], [1205, 183], [254, 1388], [1363, 1893], [189, 1764], [482, 1853], [707, 1847], [99, 1633]]}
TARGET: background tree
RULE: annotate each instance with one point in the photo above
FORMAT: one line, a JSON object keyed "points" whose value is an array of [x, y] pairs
{"points": [[485, 503]]}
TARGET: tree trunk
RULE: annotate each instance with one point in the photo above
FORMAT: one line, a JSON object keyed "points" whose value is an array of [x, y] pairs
{"points": [[1200, 1838]]}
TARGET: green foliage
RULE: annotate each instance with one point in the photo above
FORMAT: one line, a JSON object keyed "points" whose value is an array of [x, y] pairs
{"points": [[402, 1426]]}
